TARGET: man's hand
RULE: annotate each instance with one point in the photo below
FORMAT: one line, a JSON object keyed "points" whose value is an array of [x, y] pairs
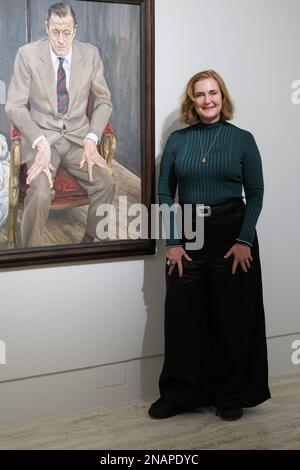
{"points": [[92, 157], [41, 162], [241, 255]]}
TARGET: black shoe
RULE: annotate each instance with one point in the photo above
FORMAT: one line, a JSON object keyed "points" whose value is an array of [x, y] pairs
{"points": [[161, 409], [229, 414]]}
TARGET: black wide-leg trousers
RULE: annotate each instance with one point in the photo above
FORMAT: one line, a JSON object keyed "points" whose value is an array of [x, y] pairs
{"points": [[215, 341]]}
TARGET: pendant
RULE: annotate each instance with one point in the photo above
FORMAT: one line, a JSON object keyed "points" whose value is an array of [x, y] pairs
{"points": [[204, 160]]}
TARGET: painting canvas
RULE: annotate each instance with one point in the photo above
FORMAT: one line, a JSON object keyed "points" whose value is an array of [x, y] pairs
{"points": [[123, 34]]}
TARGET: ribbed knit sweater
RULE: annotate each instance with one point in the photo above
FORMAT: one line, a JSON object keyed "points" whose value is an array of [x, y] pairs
{"points": [[233, 164]]}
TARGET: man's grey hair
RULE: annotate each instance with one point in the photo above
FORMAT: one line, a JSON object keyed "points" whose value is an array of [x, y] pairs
{"points": [[62, 10]]}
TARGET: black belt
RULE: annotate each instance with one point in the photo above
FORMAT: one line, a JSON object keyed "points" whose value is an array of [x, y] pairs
{"points": [[203, 210]]}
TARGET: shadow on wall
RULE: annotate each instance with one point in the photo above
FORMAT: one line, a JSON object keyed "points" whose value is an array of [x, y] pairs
{"points": [[172, 123], [154, 291]]}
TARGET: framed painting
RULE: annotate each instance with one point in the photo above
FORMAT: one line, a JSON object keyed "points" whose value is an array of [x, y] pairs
{"points": [[77, 130]]}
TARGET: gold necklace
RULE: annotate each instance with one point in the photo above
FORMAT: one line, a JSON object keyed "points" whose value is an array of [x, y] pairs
{"points": [[204, 156]]}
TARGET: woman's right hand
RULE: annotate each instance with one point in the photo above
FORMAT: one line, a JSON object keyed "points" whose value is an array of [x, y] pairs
{"points": [[174, 255]]}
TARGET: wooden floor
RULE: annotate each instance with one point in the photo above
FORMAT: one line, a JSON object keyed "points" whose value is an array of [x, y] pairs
{"points": [[68, 226], [272, 425]]}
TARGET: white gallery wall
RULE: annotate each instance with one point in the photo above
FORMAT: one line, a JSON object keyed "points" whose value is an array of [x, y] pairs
{"points": [[78, 336]]}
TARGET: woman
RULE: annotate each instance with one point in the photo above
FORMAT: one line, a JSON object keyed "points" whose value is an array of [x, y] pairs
{"points": [[215, 342]]}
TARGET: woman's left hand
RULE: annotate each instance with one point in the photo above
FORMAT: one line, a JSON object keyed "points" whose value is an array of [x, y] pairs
{"points": [[241, 255]]}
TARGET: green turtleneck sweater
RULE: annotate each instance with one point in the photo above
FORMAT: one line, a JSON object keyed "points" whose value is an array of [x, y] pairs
{"points": [[233, 164]]}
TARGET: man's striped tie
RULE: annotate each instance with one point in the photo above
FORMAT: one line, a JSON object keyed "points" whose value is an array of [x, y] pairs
{"points": [[62, 93]]}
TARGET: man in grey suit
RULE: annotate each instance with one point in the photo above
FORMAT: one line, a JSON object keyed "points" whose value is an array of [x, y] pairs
{"points": [[47, 101]]}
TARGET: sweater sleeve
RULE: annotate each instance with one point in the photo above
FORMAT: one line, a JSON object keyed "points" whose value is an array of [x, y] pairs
{"points": [[254, 189], [167, 186]]}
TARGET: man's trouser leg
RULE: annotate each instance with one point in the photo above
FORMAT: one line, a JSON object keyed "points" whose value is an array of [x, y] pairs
{"points": [[100, 191], [37, 203]]}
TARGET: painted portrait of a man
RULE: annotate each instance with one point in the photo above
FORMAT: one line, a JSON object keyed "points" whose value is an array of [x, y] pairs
{"points": [[47, 100], [74, 102]]}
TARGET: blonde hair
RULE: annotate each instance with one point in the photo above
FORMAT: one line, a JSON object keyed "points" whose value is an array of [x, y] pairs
{"points": [[188, 112]]}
